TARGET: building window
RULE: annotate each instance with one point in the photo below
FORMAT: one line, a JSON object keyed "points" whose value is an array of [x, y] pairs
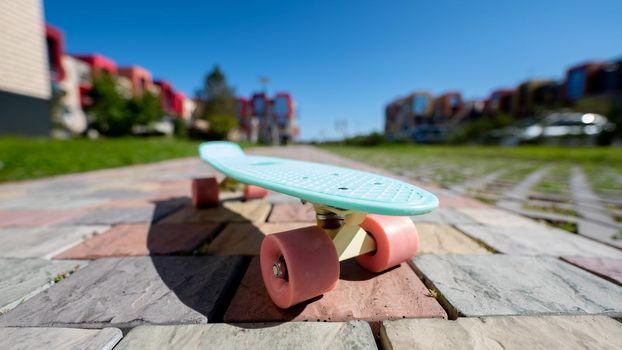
{"points": [[576, 84]]}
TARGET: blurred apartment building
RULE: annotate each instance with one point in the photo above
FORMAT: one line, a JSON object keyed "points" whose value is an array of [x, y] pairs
{"points": [[36, 72], [24, 72], [589, 87], [132, 81], [421, 118], [35, 69], [267, 120]]}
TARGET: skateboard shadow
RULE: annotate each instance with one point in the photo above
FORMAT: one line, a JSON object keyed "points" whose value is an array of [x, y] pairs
{"points": [[237, 295], [185, 268]]}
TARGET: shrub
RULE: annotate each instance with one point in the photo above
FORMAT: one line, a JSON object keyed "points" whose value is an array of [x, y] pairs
{"points": [[111, 115]]}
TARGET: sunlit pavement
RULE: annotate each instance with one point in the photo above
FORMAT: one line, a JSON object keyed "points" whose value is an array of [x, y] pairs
{"points": [[119, 258]]}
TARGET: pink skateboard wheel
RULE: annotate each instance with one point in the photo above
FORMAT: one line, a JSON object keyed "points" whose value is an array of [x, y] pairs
{"points": [[204, 192], [298, 265], [396, 241], [254, 192]]}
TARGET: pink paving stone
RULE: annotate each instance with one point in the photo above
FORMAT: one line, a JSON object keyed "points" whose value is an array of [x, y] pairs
{"points": [[251, 211], [460, 202], [608, 268], [145, 202], [394, 294], [141, 239], [292, 212], [173, 189], [124, 203], [10, 218], [246, 238]]}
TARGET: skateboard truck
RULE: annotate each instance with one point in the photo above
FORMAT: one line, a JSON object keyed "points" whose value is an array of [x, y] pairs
{"points": [[231, 185], [342, 226]]}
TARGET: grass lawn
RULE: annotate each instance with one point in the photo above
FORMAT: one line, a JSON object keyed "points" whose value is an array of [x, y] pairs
{"points": [[530, 153], [27, 158], [447, 165]]}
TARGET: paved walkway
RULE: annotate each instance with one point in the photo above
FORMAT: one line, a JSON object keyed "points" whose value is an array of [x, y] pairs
{"points": [[119, 259]]}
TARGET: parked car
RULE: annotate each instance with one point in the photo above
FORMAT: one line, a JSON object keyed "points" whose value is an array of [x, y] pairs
{"points": [[565, 127]]}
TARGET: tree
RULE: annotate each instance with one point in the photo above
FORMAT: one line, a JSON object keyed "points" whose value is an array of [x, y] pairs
{"points": [[108, 107], [57, 107], [145, 109], [217, 100]]}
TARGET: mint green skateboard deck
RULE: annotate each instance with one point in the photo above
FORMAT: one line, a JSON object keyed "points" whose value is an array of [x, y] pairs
{"points": [[320, 183]]}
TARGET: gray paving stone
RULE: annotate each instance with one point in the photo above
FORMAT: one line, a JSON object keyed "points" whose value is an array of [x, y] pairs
{"points": [[129, 215], [518, 209], [476, 183], [595, 230], [527, 332], [498, 285], [538, 240], [58, 186], [43, 242], [117, 194], [27, 338], [447, 216], [587, 203], [600, 232], [21, 279], [46, 202], [520, 192], [497, 217], [291, 335], [126, 292]]}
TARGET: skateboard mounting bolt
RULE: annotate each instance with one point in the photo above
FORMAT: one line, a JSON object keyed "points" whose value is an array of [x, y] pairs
{"points": [[279, 269]]}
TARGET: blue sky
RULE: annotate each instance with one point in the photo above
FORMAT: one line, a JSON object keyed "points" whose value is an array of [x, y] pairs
{"points": [[344, 60]]}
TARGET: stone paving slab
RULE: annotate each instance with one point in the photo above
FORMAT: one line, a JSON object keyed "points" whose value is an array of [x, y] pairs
{"points": [[253, 211], [600, 232], [293, 335], [538, 240], [394, 294], [173, 189], [116, 193], [8, 193], [22, 338], [608, 268], [500, 285], [275, 197], [447, 216], [246, 238], [37, 202], [460, 202], [142, 239], [588, 204], [21, 279], [444, 239], [35, 218], [477, 183], [594, 230], [292, 212], [43, 242], [126, 292], [520, 192], [496, 217], [127, 215], [548, 332]]}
